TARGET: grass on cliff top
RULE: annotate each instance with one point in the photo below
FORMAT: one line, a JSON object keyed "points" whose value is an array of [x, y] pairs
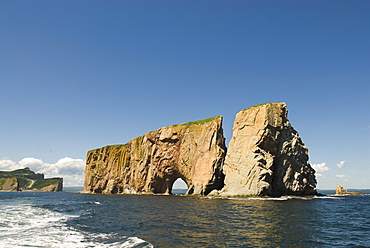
{"points": [[39, 184], [181, 124], [115, 146], [197, 122], [118, 145], [258, 105]]}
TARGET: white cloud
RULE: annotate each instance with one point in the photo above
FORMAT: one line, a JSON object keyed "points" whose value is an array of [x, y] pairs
{"points": [[7, 164], [344, 177], [341, 164], [321, 167], [341, 176], [72, 170], [33, 163]]}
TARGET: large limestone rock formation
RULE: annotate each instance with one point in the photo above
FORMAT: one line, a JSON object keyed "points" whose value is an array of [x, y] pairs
{"points": [[266, 156], [151, 163]]}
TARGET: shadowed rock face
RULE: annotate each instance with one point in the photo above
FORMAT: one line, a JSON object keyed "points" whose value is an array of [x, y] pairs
{"points": [[266, 156], [151, 163]]}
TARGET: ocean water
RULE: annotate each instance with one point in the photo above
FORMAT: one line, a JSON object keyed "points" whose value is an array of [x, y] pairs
{"points": [[65, 219]]}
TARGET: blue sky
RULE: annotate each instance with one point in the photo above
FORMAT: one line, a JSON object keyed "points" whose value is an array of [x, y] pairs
{"points": [[77, 75]]}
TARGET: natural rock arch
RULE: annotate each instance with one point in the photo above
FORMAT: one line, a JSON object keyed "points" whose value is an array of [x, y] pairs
{"points": [[193, 151]]}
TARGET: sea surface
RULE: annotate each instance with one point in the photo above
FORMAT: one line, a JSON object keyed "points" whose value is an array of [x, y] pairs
{"points": [[66, 219]]}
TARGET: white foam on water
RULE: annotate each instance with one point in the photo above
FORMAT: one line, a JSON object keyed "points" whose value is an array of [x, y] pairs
{"points": [[328, 197], [29, 226], [268, 198]]}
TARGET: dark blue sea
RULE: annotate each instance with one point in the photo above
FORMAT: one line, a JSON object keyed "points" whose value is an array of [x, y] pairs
{"points": [[65, 219]]}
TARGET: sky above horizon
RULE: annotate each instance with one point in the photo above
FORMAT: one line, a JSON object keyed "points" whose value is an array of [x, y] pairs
{"points": [[78, 75]]}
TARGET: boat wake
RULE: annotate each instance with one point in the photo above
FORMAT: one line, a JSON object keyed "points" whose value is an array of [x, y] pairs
{"points": [[24, 225]]}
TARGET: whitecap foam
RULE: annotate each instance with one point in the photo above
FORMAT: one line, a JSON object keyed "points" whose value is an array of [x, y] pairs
{"points": [[268, 198], [29, 226], [328, 197]]}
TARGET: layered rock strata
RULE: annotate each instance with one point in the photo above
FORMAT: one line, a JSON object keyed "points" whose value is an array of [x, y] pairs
{"points": [[193, 151], [266, 156]]}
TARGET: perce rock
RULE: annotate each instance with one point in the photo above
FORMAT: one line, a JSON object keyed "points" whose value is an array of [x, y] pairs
{"points": [[193, 151], [265, 157]]}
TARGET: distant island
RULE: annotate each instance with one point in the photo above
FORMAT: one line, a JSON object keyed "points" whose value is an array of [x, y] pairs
{"points": [[25, 179]]}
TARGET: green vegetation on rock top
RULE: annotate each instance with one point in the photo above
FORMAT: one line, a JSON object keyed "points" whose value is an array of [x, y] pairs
{"points": [[258, 105], [138, 139], [39, 184], [197, 122], [115, 146], [26, 173], [118, 145]]}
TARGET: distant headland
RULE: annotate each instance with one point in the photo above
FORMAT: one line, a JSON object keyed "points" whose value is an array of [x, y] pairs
{"points": [[265, 157], [26, 180]]}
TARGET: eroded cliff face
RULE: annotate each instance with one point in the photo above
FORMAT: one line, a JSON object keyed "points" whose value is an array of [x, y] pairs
{"points": [[193, 151], [266, 156]]}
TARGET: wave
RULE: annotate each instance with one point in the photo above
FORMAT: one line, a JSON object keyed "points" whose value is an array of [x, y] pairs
{"points": [[25, 225]]}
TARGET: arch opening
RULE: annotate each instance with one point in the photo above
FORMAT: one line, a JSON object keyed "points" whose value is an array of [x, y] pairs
{"points": [[179, 187]]}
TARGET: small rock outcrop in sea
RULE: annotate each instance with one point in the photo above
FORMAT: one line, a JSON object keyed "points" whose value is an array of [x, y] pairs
{"points": [[25, 179], [192, 151], [266, 156], [339, 190]]}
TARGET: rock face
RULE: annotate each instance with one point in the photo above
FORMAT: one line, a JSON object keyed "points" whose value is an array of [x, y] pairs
{"points": [[266, 155], [193, 151]]}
